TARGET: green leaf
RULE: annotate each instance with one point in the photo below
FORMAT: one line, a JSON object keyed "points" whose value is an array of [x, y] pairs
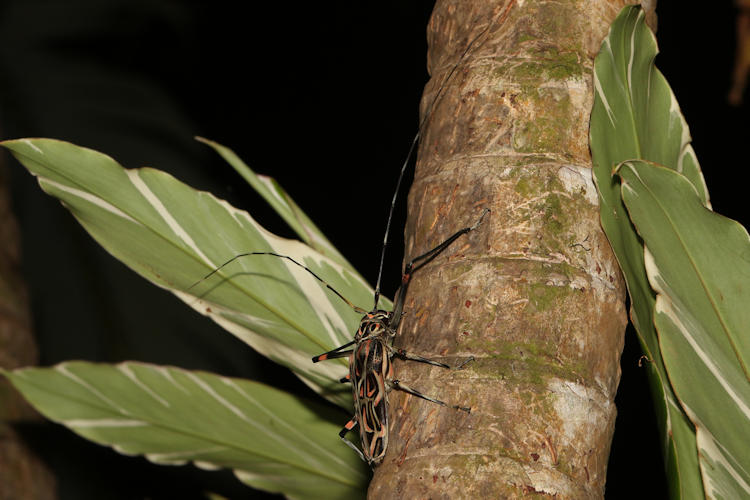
{"points": [[173, 236], [698, 262], [272, 440], [275, 195], [636, 116]]}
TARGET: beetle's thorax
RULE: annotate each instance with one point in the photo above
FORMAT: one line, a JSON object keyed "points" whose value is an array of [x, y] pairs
{"points": [[376, 323]]}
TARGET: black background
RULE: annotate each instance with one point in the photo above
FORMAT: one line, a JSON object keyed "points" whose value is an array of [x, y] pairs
{"points": [[321, 96]]}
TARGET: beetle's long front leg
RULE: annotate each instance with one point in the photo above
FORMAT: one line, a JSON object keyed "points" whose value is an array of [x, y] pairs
{"points": [[335, 353], [421, 260]]}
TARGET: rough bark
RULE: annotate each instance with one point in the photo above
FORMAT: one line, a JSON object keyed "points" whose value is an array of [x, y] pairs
{"points": [[535, 294], [22, 474]]}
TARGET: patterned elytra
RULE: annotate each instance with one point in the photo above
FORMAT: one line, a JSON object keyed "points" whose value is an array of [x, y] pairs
{"points": [[370, 366]]}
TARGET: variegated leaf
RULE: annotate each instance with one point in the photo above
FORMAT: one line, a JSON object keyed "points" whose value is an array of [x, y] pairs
{"points": [[174, 235], [698, 262], [635, 115], [272, 440]]}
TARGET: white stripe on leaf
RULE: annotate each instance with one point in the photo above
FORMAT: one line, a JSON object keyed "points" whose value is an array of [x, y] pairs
{"points": [[125, 369], [677, 316], [87, 196], [166, 216], [92, 423], [63, 368], [32, 146]]}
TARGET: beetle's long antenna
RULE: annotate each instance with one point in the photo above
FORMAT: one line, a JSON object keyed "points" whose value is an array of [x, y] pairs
{"points": [[414, 141], [358, 309]]}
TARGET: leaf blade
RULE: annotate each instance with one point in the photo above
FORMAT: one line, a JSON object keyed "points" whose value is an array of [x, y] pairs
{"points": [[271, 439], [698, 262]]}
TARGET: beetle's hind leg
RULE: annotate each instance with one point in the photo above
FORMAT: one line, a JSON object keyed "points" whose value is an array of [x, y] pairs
{"points": [[421, 359], [396, 384]]}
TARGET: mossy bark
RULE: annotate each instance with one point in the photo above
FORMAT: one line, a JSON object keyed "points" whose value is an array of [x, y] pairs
{"points": [[534, 294]]}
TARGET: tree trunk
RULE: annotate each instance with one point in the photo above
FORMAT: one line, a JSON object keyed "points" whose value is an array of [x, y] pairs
{"points": [[535, 294], [22, 474]]}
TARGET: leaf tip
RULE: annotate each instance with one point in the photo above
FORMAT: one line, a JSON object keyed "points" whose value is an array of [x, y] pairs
{"points": [[617, 167]]}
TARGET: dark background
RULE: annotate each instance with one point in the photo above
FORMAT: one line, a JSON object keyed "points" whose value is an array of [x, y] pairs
{"points": [[321, 96]]}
